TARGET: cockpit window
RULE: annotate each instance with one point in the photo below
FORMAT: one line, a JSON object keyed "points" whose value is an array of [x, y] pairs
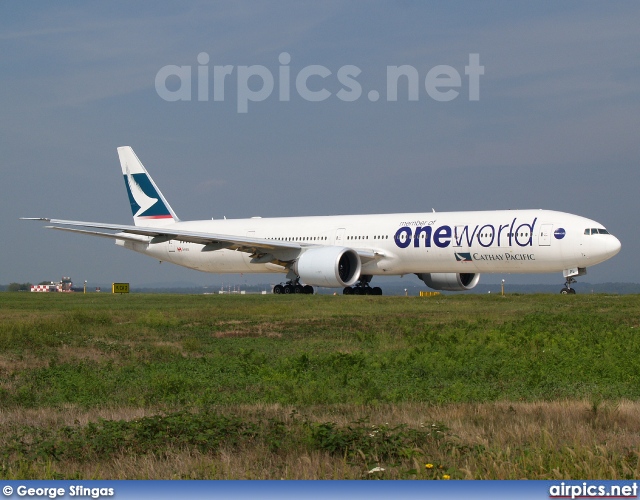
{"points": [[595, 230]]}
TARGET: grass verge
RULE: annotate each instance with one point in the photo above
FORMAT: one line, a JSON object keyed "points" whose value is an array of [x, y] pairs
{"points": [[145, 386]]}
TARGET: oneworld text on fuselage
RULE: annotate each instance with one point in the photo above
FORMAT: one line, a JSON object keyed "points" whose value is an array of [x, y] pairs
{"points": [[514, 233]]}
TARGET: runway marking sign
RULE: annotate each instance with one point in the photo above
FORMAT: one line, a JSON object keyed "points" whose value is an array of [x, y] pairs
{"points": [[120, 287]]}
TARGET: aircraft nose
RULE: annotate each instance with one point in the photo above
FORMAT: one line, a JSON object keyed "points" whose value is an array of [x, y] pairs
{"points": [[609, 246], [615, 245]]}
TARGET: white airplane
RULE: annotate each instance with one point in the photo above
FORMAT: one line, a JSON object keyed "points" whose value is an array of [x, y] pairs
{"points": [[446, 250]]}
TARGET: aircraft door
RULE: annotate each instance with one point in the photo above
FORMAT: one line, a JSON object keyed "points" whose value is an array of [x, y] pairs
{"points": [[544, 240], [339, 241], [171, 245]]}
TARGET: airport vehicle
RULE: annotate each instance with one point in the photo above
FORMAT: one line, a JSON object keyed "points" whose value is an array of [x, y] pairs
{"points": [[446, 250], [64, 285]]}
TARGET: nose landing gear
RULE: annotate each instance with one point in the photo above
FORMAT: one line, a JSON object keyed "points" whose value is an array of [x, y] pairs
{"points": [[567, 290]]}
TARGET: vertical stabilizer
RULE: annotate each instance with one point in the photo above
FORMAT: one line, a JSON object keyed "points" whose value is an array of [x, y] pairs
{"points": [[148, 206]]}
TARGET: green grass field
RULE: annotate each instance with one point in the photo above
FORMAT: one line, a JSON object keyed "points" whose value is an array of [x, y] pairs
{"points": [[163, 386]]}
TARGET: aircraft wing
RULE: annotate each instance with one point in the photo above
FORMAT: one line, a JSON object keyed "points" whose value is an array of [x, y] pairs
{"points": [[260, 249]]}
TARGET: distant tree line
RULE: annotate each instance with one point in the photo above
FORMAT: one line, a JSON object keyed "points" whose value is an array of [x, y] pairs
{"points": [[19, 287]]}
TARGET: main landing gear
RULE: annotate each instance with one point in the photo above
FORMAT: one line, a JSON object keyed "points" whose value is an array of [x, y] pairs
{"points": [[362, 288], [292, 287], [567, 290]]}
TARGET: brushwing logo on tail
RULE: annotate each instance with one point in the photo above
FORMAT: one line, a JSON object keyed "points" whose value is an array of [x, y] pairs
{"points": [[144, 199], [463, 257]]}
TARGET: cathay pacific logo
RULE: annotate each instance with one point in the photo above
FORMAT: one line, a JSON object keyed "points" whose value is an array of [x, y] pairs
{"points": [[463, 257], [143, 197], [142, 200]]}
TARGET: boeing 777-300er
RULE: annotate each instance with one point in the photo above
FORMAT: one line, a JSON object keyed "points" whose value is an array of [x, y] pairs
{"points": [[446, 250]]}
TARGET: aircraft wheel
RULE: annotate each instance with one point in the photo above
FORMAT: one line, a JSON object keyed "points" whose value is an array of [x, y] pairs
{"points": [[367, 291], [347, 291], [572, 291], [357, 291], [377, 290], [308, 289], [289, 289], [278, 289], [298, 289], [564, 291]]}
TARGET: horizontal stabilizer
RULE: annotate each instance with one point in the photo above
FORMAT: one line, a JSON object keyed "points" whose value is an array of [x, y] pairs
{"points": [[113, 236]]}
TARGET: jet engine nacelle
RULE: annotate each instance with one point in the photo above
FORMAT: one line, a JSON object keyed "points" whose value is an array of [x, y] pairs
{"points": [[328, 266], [452, 282]]}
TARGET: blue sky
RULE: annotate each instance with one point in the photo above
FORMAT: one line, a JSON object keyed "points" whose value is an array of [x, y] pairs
{"points": [[556, 125]]}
